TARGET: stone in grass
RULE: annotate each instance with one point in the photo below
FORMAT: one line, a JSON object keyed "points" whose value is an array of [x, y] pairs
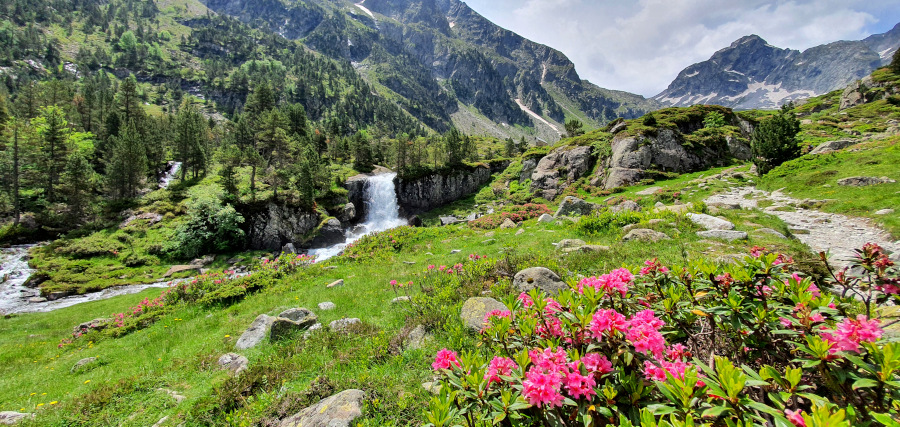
{"points": [[85, 364], [710, 222], [545, 218], [569, 243], [173, 394], [538, 277], [336, 283], [255, 333], [572, 205], [398, 300], [587, 249], [520, 232], [343, 325], [416, 338], [645, 235], [772, 232], [295, 319], [884, 212], [12, 418], [327, 305], [339, 410], [234, 363], [475, 308], [729, 235], [863, 181], [433, 387], [507, 224]]}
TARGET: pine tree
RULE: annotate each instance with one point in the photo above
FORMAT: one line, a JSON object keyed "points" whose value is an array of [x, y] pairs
{"points": [[574, 128], [895, 61], [510, 147], [54, 131], [191, 140], [127, 164], [78, 181], [453, 144], [362, 152], [775, 140]]}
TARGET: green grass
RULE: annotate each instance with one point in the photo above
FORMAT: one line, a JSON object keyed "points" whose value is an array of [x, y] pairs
{"points": [[816, 177]]}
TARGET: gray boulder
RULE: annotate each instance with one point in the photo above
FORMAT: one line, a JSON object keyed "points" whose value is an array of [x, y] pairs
{"points": [[449, 220], [234, 363], [475, 308], [827, 147], [884, 212], [710, 222], [729, 235], [569, 243], [331, 233], [538, 277], [327, 305], [558, 168], [295, 319], [508, 224], [416, 338], [348, 213], [84, 364], [644, 235], [289, 248], [648, 191], [339, 410], [771, 232], [574, 206], [546, 218], [627, 205], [863, 181], [343, 325], [12, 418], [256, 333]]}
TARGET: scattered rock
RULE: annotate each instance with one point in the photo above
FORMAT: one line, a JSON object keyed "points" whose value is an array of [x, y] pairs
{"points": [[336, 283], [398, 300], [710, 222], [863, 181], [35, 300], [455, 251], [508, 224], [488, 241], [772, 232], [572, 205], [204, 261], [12, 418], [161, 422], [520, 232], [328, 305], [545, 218], [96, 325], [257, 331], [729, 235], [343, 325], [449, 220], [490, 234], [656, 221], [645, 235], [569, 243], [289, 249], [541, 278], [587, 249], [416, 338], [648, 191], [83, 364], [150, 217], [433, 387], [659, 205], [475, 308], [884, 212], [679, 209], [827, 147], [630, 227], [180, 268], [173, 394], [626, 206], [235, 363], [233, 261], [295, 319], [618, 127], [336, 411]]}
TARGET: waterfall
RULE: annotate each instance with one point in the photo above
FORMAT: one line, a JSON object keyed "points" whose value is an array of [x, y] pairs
{"points": [[171, 173], [382, 213]]}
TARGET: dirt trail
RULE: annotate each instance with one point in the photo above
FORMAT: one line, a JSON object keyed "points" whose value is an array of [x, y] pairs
{"points": [[821, 231]]}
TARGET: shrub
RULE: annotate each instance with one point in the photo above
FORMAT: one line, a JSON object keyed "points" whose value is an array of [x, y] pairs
{"points": [[211, 227], [643, 348], [516, 213], [775, 140], [601, 221]]}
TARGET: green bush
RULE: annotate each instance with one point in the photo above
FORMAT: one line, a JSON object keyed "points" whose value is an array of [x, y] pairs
{"points": [[775, 140], [600, 222], [211, 227]]}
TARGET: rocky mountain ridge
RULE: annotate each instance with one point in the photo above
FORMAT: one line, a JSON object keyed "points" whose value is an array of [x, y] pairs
{"points": [[752, 74]]}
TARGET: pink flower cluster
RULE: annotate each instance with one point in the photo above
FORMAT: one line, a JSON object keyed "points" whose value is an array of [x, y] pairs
{"points": [[653, 267], [445, 359], [476, 257], [616, 280], [673, 362], [850, 333], [553, 373], [643, 333], [496, 313], [499, 366]]}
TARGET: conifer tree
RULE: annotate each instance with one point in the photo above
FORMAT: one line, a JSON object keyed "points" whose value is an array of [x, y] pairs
{"points": [[127, 164], [775, 140], [54, 131], [191, 140], [77, 184], [453, 144]]}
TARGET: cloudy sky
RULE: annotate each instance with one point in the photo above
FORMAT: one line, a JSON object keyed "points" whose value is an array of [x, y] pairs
{"points": [[641, 45]]}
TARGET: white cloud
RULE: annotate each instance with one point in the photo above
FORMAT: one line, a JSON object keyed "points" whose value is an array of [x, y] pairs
{"points": [[640, 46]]}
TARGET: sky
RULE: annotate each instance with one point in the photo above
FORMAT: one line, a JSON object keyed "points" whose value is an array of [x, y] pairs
{"points": [[640, 46]]}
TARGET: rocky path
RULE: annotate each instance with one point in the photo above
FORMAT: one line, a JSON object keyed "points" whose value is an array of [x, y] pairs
{"points": [[834, 233]]}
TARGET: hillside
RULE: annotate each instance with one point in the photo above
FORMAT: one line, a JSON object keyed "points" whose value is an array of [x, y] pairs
{"points": [[753, 74]]}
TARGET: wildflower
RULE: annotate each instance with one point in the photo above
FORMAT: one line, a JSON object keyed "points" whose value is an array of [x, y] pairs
{"points": [[444, 359], [54, 402], [496, 313], [431, 267], [227, 336], [87, 381], [393, 283], [616, 280], [653, 266], [409, 283], [580, 385], [795, 417], [785, 322], [816, 317], [541, 388], [756, 251], [850, 333], [549, 360], [607, 321], [678, 352], [499, 366], [643, 333], [596, 363]]}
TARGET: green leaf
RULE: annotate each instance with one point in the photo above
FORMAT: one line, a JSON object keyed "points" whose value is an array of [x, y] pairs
{"points": [[660, 409], [715, 411], [864, 383], [885, 419]]}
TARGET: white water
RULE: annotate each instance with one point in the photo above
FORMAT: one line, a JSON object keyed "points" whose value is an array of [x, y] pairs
{"points": [[170, 174], [382, 213]]}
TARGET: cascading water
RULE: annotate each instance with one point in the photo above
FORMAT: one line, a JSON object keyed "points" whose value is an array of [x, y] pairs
{"points": [[382, 213], [171, 173]]}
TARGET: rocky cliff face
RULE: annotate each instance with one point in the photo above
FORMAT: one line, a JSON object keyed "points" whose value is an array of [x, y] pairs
{"points": [[435, 190], [273, 225], [557, 169], [754, 74], [435, 53]]}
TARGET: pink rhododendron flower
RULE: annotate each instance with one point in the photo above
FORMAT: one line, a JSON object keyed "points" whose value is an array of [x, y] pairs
{"points": [[816, 317], [678, 352], [499, 366], [653, 266], [795, 417], [580, 385], [850, 333], [445, 359], [643, 333], [393, 283], [785, 322], [616, 280], [597, 363], [542, 389], [497, 313], [607, 321], [549, 360]]}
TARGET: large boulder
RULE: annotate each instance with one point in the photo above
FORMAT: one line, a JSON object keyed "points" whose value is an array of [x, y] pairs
{"points": [[508, 224], [295, 319], [256, 333], [864, 181], [857, 93], [827, 147], [474, 310], [336, 411], [569, 243], [344, 325], [710, 222], [627, 205], [348, 213], [558, 168], [234, 363], [572, 205], [729, 235], [539, 277], [12, 418], [331, 233], [644, 235], [274, 225]]}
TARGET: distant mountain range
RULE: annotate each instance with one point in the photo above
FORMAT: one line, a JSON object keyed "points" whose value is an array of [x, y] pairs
{"points": [[754, 74], [446, 64]]}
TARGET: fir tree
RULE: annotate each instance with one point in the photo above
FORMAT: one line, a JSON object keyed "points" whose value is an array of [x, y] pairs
{"points": [[775, 140]]}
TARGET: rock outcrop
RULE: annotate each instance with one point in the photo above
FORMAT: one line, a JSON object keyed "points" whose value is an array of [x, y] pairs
{"points": [[474, 310], [558, 168], [234, 363], [256, 333], [295, 319], [274, 225], [435, 190], [541, 278], [827, 147], [572, 205], [336, 411], [864, 181]]}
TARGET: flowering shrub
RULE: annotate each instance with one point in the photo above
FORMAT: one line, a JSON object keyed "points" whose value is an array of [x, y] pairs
{"points": [[751, 343], [517, 213]]}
